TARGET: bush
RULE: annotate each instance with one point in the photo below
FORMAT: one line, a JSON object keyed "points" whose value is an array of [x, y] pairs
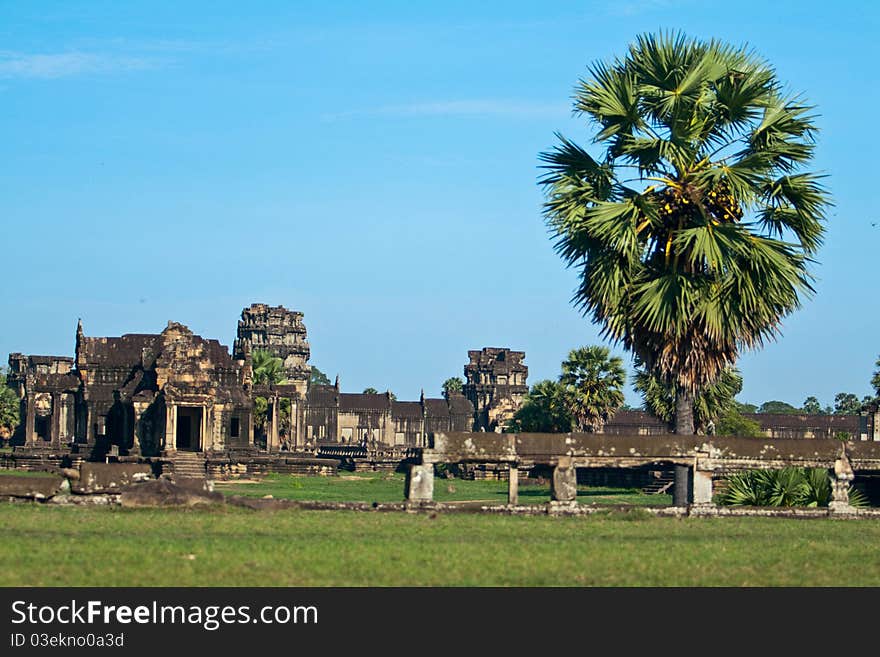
{"points": [[810, 487]]}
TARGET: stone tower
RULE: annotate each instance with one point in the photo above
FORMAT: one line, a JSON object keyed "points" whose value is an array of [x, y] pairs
{"points": [[495, 385], [279, 331]]}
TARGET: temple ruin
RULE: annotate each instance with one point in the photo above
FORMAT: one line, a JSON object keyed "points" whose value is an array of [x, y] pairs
{"points": [[156, 395], [185, 403]]}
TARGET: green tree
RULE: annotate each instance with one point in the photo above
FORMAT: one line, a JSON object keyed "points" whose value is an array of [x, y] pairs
{"points": [[732, 423], [693, 229], [745, 408], [452, 385], [778, 407], [846, 403], [318, 378], [545, 409], [712, 402], [875, 380], [371, 391], [812, 406], [10, 407], [267, 368], [595, 381]]}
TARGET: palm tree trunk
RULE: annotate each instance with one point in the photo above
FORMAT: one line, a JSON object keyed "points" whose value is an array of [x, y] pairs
{"points": [[684, 411]]}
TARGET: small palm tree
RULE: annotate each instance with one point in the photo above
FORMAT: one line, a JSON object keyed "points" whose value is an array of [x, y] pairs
{"points": [[711, 402], [546, 409], [694, 228], [452, 385], [267, 368], [594, 381], [791, 486]]}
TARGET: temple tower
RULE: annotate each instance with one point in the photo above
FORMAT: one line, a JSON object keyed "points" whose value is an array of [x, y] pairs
{"points": [[495, 385], [279, 331]]}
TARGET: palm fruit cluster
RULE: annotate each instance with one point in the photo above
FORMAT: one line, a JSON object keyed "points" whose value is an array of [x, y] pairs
{"points": [[718, 203]]}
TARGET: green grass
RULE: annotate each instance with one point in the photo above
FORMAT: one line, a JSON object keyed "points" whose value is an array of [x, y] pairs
{"points": [[27, 473], [387, 487], [63, 546]]}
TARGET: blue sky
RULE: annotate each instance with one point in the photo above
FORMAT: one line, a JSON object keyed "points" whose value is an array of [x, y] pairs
{"points": [[374, 165]]}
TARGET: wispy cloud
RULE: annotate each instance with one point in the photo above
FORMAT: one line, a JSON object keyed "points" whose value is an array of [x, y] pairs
{"points": [[517, 109], [60, 65]]}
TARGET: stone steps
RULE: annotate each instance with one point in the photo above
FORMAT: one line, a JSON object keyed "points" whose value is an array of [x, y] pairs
{"points": [[190, 465], [662, 481]]}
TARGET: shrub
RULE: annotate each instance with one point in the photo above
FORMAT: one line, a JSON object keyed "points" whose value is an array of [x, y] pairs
{"points": [[810, 487]]}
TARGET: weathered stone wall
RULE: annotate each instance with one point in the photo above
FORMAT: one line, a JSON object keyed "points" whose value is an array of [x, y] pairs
{"points": [[244, 467]]}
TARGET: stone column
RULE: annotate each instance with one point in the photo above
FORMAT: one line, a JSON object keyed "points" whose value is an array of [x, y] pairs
{"points": [[702, 487], [564, 488], [681, 489], [513, 485], [89, 419], [273, 441], [206, 439], [137, 414], [420, 483], [30, 436], [170, 427], [55, 422]]}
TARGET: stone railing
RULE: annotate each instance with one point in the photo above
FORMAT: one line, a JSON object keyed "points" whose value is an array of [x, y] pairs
{"points": [[696, 459]]}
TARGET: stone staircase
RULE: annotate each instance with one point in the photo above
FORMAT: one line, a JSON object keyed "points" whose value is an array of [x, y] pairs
{"points": [[189, 464], [661, 481]]}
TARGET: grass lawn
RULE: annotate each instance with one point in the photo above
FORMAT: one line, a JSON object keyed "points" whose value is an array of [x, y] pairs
{"points": [[63, 546], [387, 487], [26, 473]]}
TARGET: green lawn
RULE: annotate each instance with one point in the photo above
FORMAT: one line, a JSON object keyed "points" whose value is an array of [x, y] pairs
{"points": [[26, 473], [387, 487], [63, 546]]}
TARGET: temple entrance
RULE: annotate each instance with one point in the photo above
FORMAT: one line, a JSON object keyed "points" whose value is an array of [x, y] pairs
{"points": [[189, 428]]}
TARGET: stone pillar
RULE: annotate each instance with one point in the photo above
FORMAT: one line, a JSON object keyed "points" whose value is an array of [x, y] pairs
{"points": [[513, 485], [206, 438], [681, 490], [273, 441], [170, 427], [89, 419], [564, 487], [702, 487], [30, 436], [420, 483], [297, 424], [840, 482], [55, 422], [137, 413]]}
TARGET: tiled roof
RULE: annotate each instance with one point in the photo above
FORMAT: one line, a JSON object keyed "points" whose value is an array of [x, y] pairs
{"points": [[362, 402]]}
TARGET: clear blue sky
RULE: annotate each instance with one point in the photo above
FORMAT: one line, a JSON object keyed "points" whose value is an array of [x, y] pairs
{"points": [[374, 165]]}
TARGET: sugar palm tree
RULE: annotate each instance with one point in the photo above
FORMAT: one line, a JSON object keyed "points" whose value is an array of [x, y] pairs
{"points": [[545, 409], [594, 381], [267, 368], [452, 385], [711, 402], [694, 228]]}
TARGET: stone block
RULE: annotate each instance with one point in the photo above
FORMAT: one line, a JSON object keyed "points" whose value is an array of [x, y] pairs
{"points": [[564, 484], [162, 492], [109, 477], [420, 483], [36, 488]]}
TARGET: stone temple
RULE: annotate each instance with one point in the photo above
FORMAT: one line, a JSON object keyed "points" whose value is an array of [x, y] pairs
{"points": [[146, 395]]}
